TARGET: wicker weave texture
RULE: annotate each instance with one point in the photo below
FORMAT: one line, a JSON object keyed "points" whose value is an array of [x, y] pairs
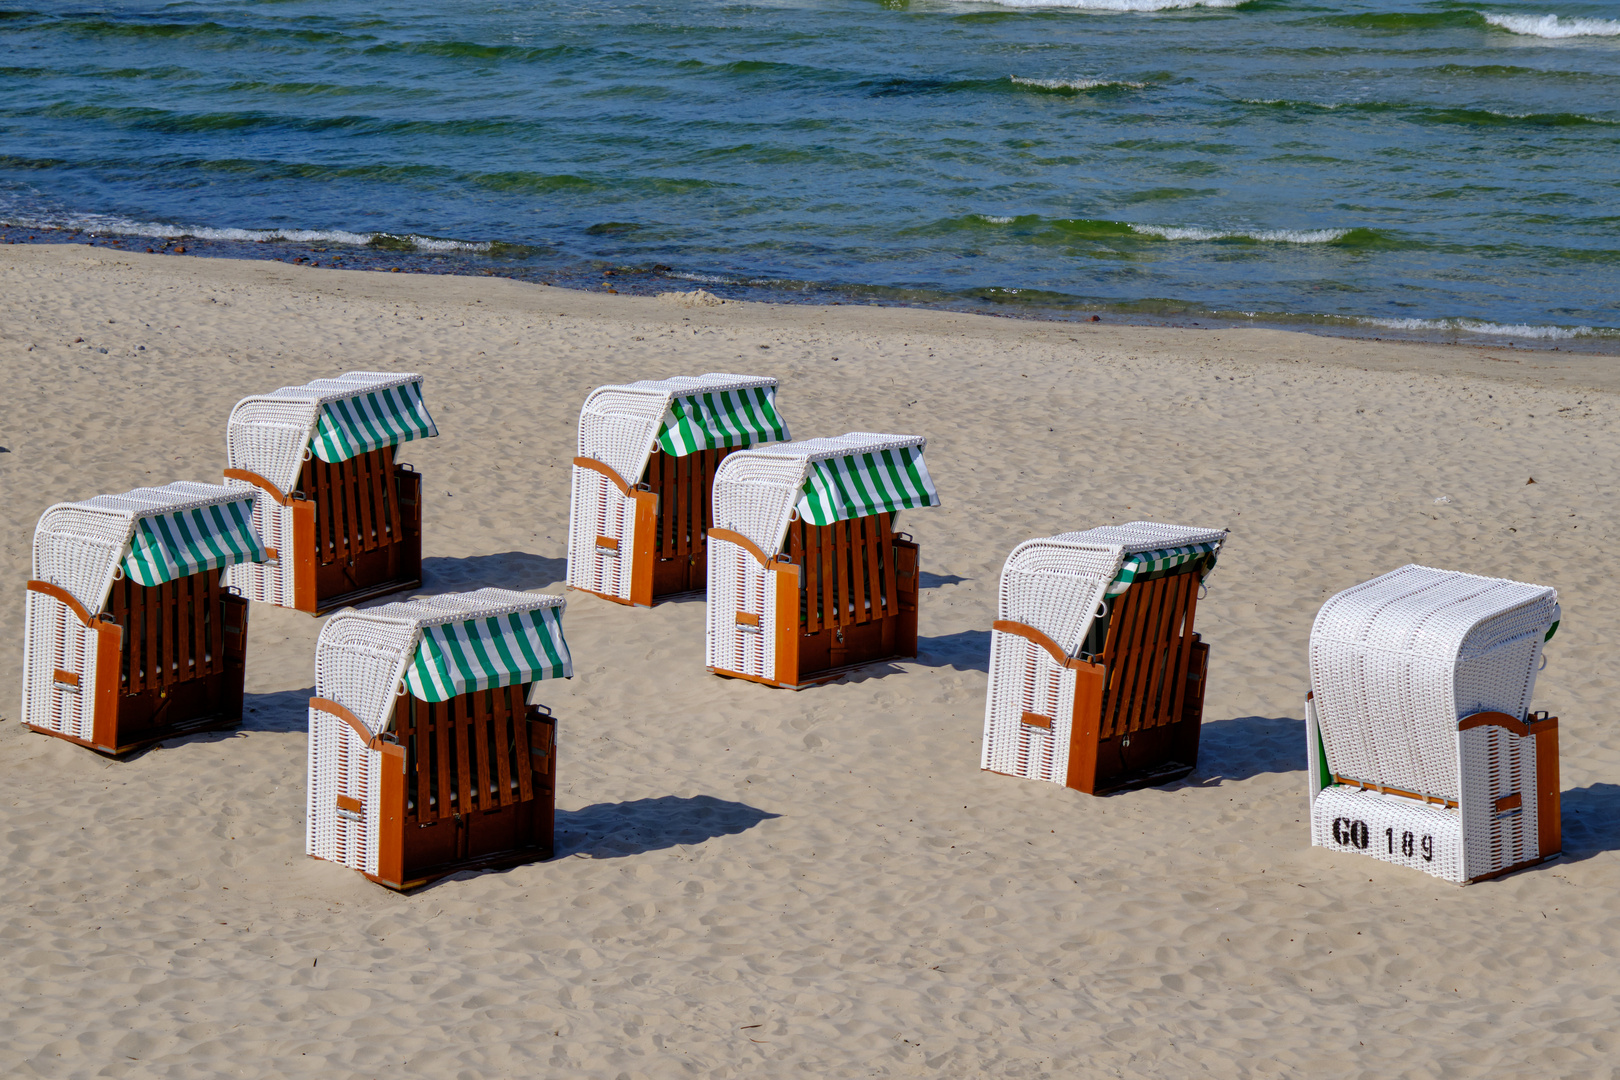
{"points": [[755, 490], [1024, 678], [341, 764], [54, 639], [1367, 823], [599, 509], [1138, 536], [617, 424], [1397, 661], [1497, 763], [269, 433], [739, 584]]}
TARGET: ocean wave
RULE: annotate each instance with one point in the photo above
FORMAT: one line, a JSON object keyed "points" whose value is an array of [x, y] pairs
{"points": [[1076, 84], [994, 219], [1551, 26], [1490, 329], [1145, 6], [1271, 236], [101, 224]]}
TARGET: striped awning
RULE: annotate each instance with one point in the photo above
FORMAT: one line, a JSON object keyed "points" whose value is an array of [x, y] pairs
{"points": [[842, 488], [349, 427], [745, 417], [167, 547], [1148, 562], [481, 654]]}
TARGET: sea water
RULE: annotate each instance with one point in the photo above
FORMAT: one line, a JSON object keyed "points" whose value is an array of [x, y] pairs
{"points": [[1440, 169]]}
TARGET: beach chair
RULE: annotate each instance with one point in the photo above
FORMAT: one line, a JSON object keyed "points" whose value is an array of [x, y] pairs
{"points": [[128, 637], [1096, 674], [644, 475], [425, 756], [807, 577], [1421, 747], [342, 519]]}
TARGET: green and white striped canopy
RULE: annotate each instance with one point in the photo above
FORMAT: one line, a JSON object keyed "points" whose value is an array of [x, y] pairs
{"points": [[745, 417], [167, 547], [349, 427], [842, 488], [481, 654], [1147, 562]]}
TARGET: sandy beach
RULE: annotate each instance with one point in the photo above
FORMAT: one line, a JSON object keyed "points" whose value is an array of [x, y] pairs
{"points": [[759, 883]]}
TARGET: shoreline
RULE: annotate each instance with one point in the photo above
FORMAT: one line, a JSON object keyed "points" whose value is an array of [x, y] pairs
{"points": [[514, 263]]}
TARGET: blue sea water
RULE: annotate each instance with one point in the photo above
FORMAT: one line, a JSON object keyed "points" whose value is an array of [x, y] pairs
{"points": [[1442, 169]]}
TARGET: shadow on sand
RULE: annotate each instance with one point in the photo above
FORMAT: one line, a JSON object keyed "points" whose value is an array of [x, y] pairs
{"points": [[615, 830]]}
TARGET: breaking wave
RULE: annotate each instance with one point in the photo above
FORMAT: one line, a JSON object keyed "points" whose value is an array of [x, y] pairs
{"points": [[1270, 236], [1120, 5], [1551, 26], [113, 226], [1076, 85], [1491, 329]]}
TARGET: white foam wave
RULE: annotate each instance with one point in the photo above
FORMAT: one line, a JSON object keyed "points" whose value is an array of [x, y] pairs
{"points": [[1076, 84], [104, 224], [1119, 5], [1479, 326], [1551, 26], [1272, 236], [994, 219], [703, 279]]}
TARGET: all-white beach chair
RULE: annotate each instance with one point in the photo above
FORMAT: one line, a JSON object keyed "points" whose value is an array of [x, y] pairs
{"points": [[807, 577], [128, 637], [425, 756], [1096, 674], [644, 476], [1422, 748], [343, 520]]}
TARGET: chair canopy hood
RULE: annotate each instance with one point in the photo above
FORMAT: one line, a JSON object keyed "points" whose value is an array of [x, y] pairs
{"points": [[1397, 661], [756, 492], [620, 426], [332, 419], [438, 648], [151, 535]]}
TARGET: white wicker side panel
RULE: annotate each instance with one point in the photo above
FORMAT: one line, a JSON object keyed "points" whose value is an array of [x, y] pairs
{"points": [[600, 509], [54, 638], [1497, 763], [1391, 829], [269, 436], [738, 583], [1023, 678], [341, 764], [617, 427], [269, 582]]}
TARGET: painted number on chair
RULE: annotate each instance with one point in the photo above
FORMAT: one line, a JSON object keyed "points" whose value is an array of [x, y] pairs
{"points": [[1351, 833], [1407, 846]]}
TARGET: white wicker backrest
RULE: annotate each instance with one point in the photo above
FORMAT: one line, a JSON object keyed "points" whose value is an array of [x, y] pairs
{"points": [[79, 545], [360, 657], [618, 424], [1056, 585], [269, 433], [1396, 661], [755, 490]]}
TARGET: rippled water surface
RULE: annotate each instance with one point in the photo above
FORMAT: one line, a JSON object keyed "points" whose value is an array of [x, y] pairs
{"points": [[1447, 169]]}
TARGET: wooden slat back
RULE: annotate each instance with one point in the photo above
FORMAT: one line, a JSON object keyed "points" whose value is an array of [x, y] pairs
{"points": [[1146, 655], [355, 505], [685, 490], [172, 632], [469, 753], [849, 572]]}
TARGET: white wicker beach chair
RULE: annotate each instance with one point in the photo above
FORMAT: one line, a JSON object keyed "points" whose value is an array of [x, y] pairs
{"points": [[1096, 675], [425, 757], [807, 577], [643, 478], [128, 638], [1421, 745], [342, 519]]}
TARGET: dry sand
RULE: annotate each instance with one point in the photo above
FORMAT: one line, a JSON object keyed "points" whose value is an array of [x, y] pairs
{"points": [[761, 883]]}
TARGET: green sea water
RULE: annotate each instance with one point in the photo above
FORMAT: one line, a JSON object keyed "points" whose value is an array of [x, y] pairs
{"points": [[1373, 166]]}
